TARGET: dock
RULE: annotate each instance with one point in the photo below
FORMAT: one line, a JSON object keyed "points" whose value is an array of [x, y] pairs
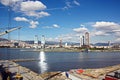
{"points": [[24, 60]]}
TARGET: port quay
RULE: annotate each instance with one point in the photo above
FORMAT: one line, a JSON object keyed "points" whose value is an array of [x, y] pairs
{"points": [[74, 74]]}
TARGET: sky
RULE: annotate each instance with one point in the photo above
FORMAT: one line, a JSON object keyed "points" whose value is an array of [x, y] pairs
{"points": [[62, 19]]}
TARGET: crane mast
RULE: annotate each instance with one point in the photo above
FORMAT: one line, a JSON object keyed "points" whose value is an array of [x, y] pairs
{"points": [[8, 31]]}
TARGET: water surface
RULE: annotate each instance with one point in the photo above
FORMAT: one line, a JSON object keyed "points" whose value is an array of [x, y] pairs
{"points": [[61, 61]]}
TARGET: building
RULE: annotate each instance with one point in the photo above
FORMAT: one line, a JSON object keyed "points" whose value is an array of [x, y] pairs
{"points": [[43, 41], [36, 41], [83, 41], [87, 39], [60, 43]]}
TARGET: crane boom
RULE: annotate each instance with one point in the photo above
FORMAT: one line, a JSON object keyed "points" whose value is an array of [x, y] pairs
{"points": [[8, 31]]}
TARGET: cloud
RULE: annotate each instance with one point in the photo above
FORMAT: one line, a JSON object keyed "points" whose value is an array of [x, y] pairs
{"points": [[56, 26], [56, 39], [33, 24], [117, 40], [71, 4], [21, 19], [82, 25], [77, 3], [47, 27], [37, 14], [117, 34], [80, 30], [32, 6], [72, 37], [14, 4], [43, 14], [35, 10], [28, 8], [68, 4], [100, 33], [8, 2], [53, 26], [106, 26]]}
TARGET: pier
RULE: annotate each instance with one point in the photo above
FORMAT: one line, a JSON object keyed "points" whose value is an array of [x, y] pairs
{"points": [[24, 60]]}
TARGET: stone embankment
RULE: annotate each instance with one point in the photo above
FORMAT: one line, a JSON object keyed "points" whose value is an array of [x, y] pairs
{"points": [[74, 74], [94, 74], [27, 74]]}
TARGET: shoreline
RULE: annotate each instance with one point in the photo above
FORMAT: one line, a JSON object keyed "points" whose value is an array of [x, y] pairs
{"points": [[69, 50], [65, 50], [89, 74]]}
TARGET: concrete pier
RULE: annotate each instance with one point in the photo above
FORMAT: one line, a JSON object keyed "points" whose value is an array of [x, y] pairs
{"points": [[24, 60]]}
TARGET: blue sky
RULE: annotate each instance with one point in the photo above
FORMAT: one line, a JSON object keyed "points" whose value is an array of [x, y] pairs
{"points": [[62, 19]]}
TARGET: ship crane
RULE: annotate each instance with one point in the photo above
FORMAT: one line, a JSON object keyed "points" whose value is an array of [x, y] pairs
{"points": [[8, 31]]}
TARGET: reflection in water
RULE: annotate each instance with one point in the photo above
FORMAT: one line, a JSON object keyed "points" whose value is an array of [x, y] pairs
{"points": [[43, 65], [83, 56]]}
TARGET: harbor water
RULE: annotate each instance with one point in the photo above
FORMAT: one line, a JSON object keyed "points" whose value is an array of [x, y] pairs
{"points": [[60, 61]]}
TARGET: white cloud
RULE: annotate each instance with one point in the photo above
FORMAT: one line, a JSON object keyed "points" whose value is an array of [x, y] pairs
{"points": [[82, 25], [8, 2], [53, 26], [33, 24], [43, 14], [36, 14], [56, 39], [70, 37], [117, 40], [100, 33], [80, 30], [71, 4], [28, 8], [106, 26], [117, 34], [32, 6], [34, 10], [56, 26], [75, 2], [21, 19]]}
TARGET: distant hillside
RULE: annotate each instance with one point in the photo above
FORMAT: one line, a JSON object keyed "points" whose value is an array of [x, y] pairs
{"points": [[101, 44], [3, 39], [104, 44]]}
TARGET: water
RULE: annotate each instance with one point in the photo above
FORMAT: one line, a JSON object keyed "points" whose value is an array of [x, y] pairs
{"points": [[61, 61]]}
